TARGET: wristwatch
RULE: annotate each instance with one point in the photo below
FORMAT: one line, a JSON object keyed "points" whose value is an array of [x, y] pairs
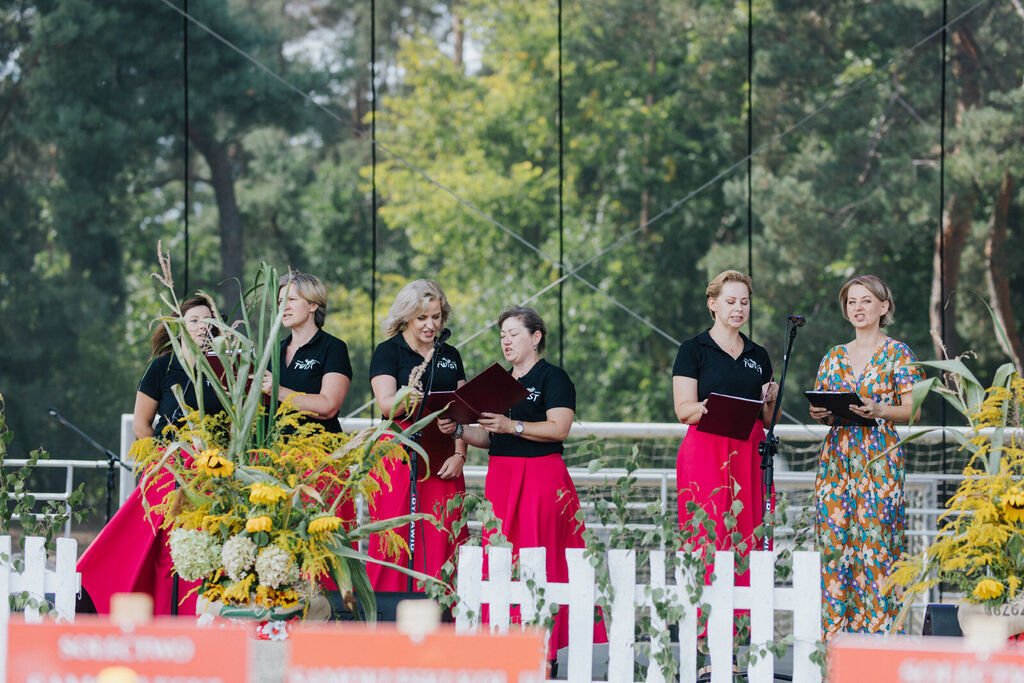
{"points": [[519, 428]]}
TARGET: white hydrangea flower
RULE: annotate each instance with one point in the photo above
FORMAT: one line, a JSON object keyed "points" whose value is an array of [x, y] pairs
{"points": [[195, 553], [275, 568], [238, 555]]}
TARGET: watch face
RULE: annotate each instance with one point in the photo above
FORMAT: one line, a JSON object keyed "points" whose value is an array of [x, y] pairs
{"points": [[519, 427]]}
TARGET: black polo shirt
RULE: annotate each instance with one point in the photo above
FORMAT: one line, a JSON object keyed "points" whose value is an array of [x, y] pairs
{"points": [[163, 373], [718, 372], [394, 357], [549, 387], [319, 356]]}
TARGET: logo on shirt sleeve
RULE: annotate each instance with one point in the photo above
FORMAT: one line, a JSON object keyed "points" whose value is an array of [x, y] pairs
{"points": [[306, 364]]}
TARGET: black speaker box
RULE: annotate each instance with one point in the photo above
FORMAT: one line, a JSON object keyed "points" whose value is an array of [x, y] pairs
{"points": [[387, 605], [941, 620]]}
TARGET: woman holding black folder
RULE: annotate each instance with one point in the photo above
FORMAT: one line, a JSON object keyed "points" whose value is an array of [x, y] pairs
{"points": [[528, 484], [413, 323], [859, 486], [714, 472]]}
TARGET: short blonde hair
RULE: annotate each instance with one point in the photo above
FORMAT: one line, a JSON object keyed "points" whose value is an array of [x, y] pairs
{"points": [[714, 289], [412, 301], [878, 289], [311, 289]]}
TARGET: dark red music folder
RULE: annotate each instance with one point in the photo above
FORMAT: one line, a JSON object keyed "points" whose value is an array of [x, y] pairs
{"points": [[838, 403], [492, 391], [729, 416]]}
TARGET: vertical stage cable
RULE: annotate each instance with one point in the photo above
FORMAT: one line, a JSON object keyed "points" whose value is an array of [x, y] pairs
{"points": [[373, 175], [750, 152], [185, 165], [561, 199], [942, 203]]}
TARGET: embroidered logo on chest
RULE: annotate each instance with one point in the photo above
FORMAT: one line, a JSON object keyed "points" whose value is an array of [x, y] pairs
{"points": [[306, 364], [534, 395], [446, 364], [752, 365]]}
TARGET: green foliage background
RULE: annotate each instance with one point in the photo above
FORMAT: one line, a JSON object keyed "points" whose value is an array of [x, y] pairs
{"points": [[847, 99]]}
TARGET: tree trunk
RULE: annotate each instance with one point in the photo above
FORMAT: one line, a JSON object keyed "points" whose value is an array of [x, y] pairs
{"points": [[458, 32], [955, 223], [996, 277], [949, 245], [232, 262]]}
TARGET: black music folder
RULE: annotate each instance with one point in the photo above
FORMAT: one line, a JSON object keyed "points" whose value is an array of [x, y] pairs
{"points": [[729, 416], [838, 403], [492, 391]]}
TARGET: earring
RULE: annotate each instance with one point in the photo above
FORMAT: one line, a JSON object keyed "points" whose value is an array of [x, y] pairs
{"points": [[534, 347]]}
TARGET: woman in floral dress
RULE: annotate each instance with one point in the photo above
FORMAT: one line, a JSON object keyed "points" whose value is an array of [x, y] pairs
{"points": [[859, 487]]}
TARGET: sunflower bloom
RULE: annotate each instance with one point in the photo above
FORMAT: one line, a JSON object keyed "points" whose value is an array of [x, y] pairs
{"points": [[1013, 505], [266, 494], [210, 462], [987, 589], [254, 524], [320, 524]]}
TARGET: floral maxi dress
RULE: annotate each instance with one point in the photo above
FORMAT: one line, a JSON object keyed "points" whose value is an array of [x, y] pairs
{"points": [[859, 494]]}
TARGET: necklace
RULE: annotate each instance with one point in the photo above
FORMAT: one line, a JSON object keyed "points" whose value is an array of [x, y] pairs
{"points": [[734, 348]]}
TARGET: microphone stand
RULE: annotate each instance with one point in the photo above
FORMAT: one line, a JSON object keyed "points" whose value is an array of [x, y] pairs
{"points": [[770, 446], [414, 501], [112, 460]]}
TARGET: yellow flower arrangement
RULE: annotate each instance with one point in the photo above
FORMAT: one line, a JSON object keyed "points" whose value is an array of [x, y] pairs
{"points": [[979, 547], [254, 513]]}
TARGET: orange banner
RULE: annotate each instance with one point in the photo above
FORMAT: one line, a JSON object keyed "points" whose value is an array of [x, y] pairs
{"points": [[164, 650], [909, 659], [350, 653]]}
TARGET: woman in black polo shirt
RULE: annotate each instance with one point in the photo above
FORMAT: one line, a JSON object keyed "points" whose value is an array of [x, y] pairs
{"points": [[714, 471], [315, 371], [528, 483], [131, 554], [414, 320]]}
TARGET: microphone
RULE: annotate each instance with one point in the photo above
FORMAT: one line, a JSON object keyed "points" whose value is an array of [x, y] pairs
{"points": [[797, 320], [442, 337]]}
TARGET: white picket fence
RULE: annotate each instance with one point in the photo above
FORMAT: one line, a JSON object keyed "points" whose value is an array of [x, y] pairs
{"points": [[763, 598], [35, 579]]}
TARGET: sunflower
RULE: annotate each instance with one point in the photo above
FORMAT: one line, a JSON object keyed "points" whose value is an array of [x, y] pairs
{"points": [[1013, 505], [987, 589], [266, 494], [330, 523], [262, 523], [212, 463]]}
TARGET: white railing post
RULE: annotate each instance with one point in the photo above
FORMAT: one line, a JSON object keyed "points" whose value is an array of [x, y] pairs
{"points": [[721, 599], [33, 579], [806, 615], [581, 616], [498, 589], [685, 587], [656, 592], [621, 622], [470, 583], [533, 569], [6, 567], [67, 582], [762, 615]]}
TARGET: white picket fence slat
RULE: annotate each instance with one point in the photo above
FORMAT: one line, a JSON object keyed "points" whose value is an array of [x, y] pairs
{"points": [[63, 581], [763, 599]]}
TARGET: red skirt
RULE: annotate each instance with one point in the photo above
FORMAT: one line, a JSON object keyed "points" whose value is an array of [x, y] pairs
{"points": [[537, 503], [434, 547], [708, 470], [131, 555]]}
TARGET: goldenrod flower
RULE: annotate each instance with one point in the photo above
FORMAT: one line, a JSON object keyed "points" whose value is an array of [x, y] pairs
{"points": [[323, 524], [210, 462], [1013, 505], [987, 589], [254, 524], [266, 494]]}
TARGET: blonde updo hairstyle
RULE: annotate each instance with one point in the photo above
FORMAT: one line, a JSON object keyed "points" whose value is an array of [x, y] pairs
{"points": [[878, 289], [714, 289], [412, 301], [311, 289]]}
